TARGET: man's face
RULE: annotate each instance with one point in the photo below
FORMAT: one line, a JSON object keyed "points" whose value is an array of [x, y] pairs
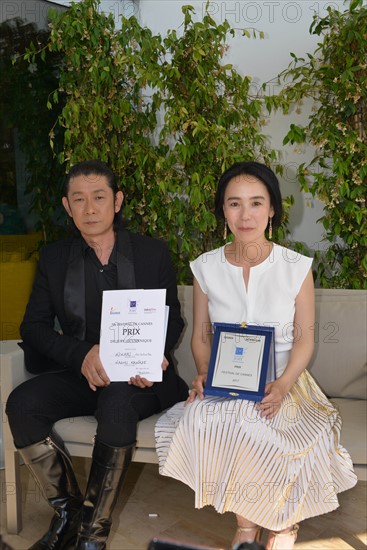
{"points": [[92, 205]]}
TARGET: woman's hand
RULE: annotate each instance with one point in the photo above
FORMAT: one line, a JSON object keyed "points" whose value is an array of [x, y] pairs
{"points": [[274, 395], [140, 382], [197, 390]]}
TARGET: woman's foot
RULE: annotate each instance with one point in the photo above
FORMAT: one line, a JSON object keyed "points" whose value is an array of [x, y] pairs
{"points": [[247, 533], [282, 540]]}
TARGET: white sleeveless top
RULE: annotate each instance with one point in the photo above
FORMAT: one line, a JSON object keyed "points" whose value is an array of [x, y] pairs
{"points": [[269, 299]]}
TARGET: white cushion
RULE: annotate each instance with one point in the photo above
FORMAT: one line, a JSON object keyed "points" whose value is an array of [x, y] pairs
{"points": [[82, 429], [339, 362], [354, 433]]}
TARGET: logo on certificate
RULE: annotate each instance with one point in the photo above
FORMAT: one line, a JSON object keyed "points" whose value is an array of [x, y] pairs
{"points": [[239, 353], [133, 305]]}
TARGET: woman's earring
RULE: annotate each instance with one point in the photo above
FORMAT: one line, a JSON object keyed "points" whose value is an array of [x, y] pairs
{"points": [[270, 232], [225, 230]]}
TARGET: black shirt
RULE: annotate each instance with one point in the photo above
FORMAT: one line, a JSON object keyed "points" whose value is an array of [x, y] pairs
{"points": [[98, 278]]}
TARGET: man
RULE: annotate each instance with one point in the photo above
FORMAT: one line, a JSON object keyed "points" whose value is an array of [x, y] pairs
{"points": [[71, 276]]}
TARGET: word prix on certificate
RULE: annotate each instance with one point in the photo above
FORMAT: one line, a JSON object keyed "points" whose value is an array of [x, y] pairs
{"points": [[133, 333]]}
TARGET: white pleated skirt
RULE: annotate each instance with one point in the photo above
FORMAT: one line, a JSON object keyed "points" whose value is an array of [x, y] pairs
{"points": [[272, 472]]}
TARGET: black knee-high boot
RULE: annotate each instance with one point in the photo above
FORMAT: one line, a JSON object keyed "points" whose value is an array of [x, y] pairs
{"points": [[108, 471], [50, 465]]}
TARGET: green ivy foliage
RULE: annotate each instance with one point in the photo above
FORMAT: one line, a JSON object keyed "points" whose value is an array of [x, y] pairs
{"points": [[168, 114], [335, 77]]}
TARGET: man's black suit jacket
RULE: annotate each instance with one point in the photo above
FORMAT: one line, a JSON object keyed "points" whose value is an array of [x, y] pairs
{"points": [[59, 292]]}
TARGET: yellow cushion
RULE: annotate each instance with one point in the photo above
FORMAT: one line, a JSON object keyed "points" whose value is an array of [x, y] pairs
{"points": [[16, 279], [18, 256], [18, 247]]}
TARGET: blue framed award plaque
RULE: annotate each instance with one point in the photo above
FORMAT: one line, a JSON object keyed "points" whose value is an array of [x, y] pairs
{"points": [[242, 361]]}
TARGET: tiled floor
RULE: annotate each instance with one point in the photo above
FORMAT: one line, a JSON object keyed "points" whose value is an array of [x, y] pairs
{"points": [[146, 492]]}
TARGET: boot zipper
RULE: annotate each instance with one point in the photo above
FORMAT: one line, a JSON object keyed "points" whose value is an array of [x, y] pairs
{"points": [[52, 443]]}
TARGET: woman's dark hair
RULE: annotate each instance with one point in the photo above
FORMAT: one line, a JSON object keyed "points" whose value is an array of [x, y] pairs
{"points": [[96, 168], [259, 171]]}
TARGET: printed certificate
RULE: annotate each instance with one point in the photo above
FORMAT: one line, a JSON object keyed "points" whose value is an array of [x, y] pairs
{"points": [[133, 333], [242, 361]]}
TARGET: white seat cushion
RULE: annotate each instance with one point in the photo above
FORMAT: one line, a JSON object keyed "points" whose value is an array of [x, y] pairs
{"points": [[82, 429], [353, 434]]}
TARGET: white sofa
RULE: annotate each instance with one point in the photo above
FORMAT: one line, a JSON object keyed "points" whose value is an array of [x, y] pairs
{"points": [[339, 365]]}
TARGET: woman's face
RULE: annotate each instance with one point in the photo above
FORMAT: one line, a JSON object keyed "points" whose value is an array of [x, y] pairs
{"points": [[92, 205], [247, 208]]}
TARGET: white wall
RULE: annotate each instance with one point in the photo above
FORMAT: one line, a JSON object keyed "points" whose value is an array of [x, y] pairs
{"points": [[32, 11], [36, 10]]}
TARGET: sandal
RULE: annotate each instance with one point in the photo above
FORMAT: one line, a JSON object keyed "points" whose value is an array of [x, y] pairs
{"points": [[240, 530], [283, 541]]}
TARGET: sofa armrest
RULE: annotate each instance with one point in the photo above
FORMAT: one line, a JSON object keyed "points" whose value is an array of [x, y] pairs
{"points": [[13, 373]]}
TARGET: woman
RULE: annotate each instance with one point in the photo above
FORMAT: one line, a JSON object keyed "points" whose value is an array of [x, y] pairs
{"points": [[276, 462]]}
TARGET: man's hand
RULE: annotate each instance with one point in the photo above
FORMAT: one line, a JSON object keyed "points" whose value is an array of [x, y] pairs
{"points": [[93, 370], [143, 382]]}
